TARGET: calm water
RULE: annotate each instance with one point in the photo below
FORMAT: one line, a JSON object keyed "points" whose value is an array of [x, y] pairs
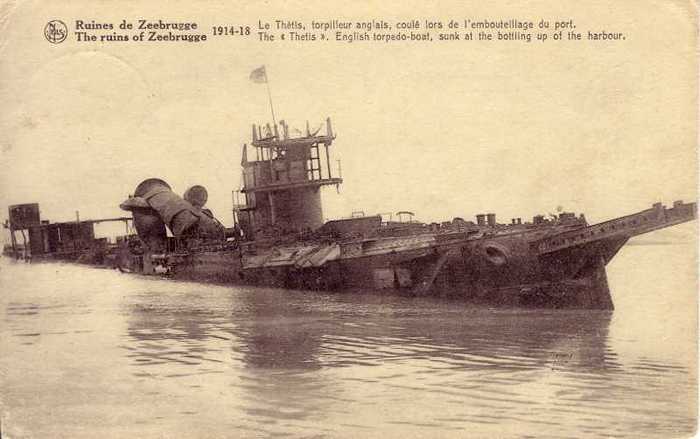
{"points": [[95, 353]]}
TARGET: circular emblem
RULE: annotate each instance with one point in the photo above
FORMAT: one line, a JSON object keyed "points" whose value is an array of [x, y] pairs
{"points": [[55, 31]]}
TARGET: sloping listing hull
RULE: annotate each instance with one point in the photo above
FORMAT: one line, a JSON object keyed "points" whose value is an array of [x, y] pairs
{"points": [[571, 278]]}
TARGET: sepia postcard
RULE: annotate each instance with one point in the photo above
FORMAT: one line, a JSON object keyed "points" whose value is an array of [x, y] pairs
{"points": [[324, 219]]}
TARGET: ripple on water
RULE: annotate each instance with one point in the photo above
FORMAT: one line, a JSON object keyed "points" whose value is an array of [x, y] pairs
{"points": [[278, 363]]}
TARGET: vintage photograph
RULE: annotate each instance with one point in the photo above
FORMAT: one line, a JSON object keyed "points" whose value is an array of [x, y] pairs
{"points": [[326, 220]]}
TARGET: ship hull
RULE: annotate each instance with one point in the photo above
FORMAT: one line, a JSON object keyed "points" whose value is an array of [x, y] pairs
{"points": [[556, 265], [574, 278]]}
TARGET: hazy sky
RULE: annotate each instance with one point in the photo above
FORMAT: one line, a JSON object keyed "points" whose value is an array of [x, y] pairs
{"points": [[444, 130]]}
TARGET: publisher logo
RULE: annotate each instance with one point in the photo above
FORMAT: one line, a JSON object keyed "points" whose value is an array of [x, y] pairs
{"points": [[55, 31]]}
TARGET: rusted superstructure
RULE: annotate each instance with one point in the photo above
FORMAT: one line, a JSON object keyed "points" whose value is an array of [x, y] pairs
{"points": [[282, 182], [68, 240], [279, 238]]}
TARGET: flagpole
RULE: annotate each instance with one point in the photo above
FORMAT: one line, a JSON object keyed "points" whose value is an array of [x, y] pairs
{"points": [[269, 95]]}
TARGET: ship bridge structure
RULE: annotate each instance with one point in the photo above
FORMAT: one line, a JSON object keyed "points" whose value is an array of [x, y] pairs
{"points": [[282, 178]]}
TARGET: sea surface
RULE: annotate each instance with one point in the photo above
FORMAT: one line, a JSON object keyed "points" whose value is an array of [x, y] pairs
{"points": [[94, 353]]}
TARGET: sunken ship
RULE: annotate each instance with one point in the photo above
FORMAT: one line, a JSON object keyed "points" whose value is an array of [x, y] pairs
{"points": [[279, 238]]}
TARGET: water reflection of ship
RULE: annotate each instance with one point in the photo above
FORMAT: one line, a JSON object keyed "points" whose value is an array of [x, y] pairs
{"points": [[308, 333], [276, 338], [515, 340], [277, 335], [302, 335], [178, 330], [387, 350], [278, 343]]}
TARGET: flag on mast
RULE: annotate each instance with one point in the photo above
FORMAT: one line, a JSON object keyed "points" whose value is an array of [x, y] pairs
{"points": [[258, 75]]}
